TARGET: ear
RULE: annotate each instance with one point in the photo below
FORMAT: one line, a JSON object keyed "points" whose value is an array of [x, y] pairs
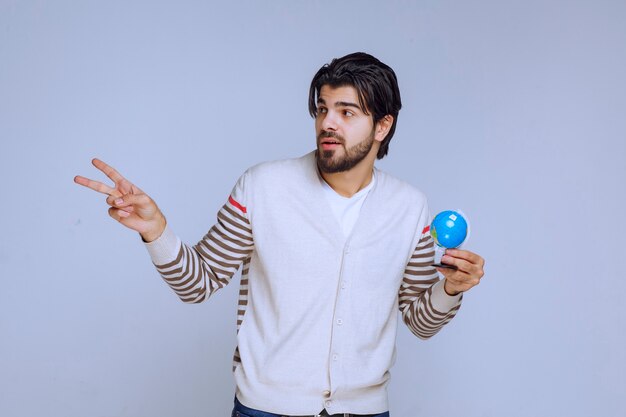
{"points": [[382, 128]]}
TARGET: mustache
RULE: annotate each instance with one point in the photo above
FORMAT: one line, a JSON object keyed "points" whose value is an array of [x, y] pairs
{"points": [[326, 134]]}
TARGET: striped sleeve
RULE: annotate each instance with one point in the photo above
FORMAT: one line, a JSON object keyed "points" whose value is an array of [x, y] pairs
{"points": [[196, 272], [424, 305]]}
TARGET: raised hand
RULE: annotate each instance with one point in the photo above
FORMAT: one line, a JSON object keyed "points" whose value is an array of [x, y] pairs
{"points": [[468, 273], [129, 205]]}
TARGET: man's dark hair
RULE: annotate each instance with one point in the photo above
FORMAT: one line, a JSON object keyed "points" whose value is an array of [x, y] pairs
{"points": [[375, 82]]}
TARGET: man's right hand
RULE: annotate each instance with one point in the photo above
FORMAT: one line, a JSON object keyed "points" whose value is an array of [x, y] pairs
{"points": [[129, 205]]}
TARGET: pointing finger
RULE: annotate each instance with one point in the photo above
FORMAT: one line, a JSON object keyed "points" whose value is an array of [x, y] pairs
{"points": [[461, 264], [467, 255], [94, 185]]}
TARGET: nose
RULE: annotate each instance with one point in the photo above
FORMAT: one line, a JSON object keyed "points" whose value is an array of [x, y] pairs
{"points": [[329, 121]]}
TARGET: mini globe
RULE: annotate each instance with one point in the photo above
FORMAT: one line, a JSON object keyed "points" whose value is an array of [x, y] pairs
{"points": [[449, 229]]}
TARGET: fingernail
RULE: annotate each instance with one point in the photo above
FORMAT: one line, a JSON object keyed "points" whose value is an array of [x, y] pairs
{"points": [[119, 201], [124, 213]]}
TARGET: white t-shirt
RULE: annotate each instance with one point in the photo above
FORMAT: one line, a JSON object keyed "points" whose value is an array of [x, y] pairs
{"points": [[347, 209]]}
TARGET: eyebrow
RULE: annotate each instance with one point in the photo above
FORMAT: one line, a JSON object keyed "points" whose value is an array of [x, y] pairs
{"points": [[341, 104]]}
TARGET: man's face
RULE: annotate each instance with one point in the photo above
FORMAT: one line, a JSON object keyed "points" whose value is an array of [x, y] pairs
{"points": [[345, 134]]}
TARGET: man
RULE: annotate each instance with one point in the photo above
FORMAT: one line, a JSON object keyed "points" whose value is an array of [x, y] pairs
{"points": [[330, 247]]}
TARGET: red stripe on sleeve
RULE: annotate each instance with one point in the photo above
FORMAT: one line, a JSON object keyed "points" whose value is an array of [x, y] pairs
{"points": [[426, 229], [236, 204]]}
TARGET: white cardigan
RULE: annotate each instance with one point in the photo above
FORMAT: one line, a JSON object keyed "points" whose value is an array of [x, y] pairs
{"points": [[317, 311]]}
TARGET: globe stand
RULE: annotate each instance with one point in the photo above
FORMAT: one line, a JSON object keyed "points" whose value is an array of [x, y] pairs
{"points": [[439, 252]]}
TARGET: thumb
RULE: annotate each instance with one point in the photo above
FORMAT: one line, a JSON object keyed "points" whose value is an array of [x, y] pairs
{"points": [[139, 200]]}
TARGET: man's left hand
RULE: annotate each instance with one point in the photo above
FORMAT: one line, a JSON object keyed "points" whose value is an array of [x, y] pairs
{"points": [[468, 273]]}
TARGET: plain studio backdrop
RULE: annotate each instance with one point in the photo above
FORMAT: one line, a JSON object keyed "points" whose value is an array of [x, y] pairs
{"points": [[514, 112]]}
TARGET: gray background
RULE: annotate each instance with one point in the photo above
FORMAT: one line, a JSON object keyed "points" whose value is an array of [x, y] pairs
{"points": [[514, 111]]}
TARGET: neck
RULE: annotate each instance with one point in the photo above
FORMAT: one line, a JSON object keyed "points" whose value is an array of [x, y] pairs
{"points": [[348, 183]]}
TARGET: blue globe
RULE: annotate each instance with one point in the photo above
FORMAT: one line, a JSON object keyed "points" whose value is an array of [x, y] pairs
{"points": [[449, 229]]}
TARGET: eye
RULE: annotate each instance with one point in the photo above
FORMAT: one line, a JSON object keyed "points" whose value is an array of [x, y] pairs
{"points": [[348, 113], [322, 110]]}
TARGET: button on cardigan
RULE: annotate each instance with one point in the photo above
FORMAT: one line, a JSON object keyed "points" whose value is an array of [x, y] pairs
{"points": [[317, 318]]}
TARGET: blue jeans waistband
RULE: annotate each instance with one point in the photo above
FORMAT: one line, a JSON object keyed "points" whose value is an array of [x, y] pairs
{"points": [[241, 410]]}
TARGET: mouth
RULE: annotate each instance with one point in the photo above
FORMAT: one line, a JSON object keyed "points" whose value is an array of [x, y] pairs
{"points": [[329, 144], [329, 140]]}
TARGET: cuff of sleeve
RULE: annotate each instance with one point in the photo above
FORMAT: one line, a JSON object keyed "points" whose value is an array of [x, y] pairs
{"points": [[441, 301], [165, 248]]}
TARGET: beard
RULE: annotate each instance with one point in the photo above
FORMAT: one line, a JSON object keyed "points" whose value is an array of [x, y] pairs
{"points": [[329, 164]]}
